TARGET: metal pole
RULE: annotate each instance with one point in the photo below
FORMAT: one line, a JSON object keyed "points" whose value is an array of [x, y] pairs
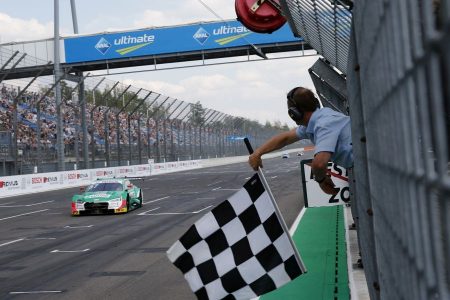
{"points": [[74, 16], [82, 99], [15, 128], [81, 95], [139, 139], [171, 133], [139, 123], [179, 127], [119, 154], [129, 138], [92, 119], [200, 130], [57, 74], [218, 115], [38, 134], [156, 123], [164, 127]]}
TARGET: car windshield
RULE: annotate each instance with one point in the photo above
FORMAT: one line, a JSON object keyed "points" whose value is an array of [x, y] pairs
{"points": [[104, 186]]}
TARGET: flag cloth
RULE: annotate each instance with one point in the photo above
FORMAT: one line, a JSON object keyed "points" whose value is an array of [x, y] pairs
{"points": [[238, 250]]}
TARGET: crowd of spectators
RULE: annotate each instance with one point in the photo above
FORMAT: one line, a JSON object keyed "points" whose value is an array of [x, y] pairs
{"points": [[27, 120]]}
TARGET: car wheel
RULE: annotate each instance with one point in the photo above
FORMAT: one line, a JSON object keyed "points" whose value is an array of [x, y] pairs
{"points": [[128, 203]]}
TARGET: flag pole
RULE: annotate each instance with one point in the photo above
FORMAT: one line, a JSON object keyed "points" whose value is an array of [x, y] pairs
{"points": [[277, 210]]}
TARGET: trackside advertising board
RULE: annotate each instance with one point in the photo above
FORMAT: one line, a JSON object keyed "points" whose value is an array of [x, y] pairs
{"points": [[313, 194], [41, 182], [166, 40]]}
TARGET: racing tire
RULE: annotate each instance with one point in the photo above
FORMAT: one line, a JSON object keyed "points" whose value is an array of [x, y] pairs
{"points": [[128, 203]]}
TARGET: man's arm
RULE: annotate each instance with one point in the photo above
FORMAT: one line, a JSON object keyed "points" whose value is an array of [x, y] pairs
{"points": [[274, 143], [319, 167]]}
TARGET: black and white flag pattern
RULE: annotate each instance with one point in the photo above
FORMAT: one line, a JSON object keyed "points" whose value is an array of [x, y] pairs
{"points": [[238, 250]]}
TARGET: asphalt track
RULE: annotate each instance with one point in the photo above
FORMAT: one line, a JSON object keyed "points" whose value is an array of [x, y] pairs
{"points": [[45, 253]]}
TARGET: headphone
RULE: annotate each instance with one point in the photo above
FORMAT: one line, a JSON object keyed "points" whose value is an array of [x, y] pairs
{"points": [[295, 113]]}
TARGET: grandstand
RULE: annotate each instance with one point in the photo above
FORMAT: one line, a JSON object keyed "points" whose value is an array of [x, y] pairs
{"points": [[152, 126]]}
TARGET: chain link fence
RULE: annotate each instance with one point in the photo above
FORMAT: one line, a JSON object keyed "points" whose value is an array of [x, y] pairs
{"points": [[396, 62], [399, 103]]}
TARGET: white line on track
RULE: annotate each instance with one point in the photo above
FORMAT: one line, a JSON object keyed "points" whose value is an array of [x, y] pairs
{"points": [[69, 251], [27, 205], [215, 183], [143, 213], [156, 200], [84, 226], [177, 213], [31, 239], [34, 292], [273, 177], [229, 189], [206, 198], [217, 188], [7, 203], [11, 242], [196, 212], [33, 212]]}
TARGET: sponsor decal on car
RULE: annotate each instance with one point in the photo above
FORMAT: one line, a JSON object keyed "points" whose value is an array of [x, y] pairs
{"points": [[96, 196]]}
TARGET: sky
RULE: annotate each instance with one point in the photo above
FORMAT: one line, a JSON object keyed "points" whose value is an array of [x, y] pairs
{"points": [[254, 90]]}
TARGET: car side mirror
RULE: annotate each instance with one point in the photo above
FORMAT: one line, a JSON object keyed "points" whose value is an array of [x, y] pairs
{"points": [[82, 189]]}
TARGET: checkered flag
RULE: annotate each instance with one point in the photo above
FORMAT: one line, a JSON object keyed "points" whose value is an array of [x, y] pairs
{"points": [[238, 250]]}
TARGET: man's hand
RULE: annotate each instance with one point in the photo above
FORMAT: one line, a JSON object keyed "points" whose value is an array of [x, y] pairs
{"points": [[276, 142], [328, 186], [255, 161]]}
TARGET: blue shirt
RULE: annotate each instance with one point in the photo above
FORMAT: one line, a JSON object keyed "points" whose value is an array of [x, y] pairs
{"points": [[330, 131]]}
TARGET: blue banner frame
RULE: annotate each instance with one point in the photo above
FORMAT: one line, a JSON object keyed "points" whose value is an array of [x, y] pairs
{"points": [[166, 40]]}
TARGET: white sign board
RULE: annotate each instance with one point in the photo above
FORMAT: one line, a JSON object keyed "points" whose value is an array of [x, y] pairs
{"points": [[313, 194]]}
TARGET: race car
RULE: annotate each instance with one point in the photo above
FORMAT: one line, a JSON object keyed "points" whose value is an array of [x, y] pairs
{"points": [[115, 195]]}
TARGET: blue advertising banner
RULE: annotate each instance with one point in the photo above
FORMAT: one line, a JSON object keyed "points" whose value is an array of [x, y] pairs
{"points": [[165, 40]]}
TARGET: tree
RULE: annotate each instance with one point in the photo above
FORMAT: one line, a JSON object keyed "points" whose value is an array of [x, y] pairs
{"points": [[197, 116]]}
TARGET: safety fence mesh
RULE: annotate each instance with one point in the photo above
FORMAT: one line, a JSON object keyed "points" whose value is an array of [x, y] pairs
{"points": [[397, 65]]}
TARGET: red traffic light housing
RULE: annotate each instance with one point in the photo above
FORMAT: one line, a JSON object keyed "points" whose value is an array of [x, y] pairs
{"points": [[262, 16]]}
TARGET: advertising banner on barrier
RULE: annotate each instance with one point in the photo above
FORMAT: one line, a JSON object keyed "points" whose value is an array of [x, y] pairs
{"points": [[32, 183], [313, 194], [12, 185], [166, 40]]}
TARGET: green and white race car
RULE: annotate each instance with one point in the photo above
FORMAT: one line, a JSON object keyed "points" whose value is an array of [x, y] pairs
{"points": [[114, 195]]}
